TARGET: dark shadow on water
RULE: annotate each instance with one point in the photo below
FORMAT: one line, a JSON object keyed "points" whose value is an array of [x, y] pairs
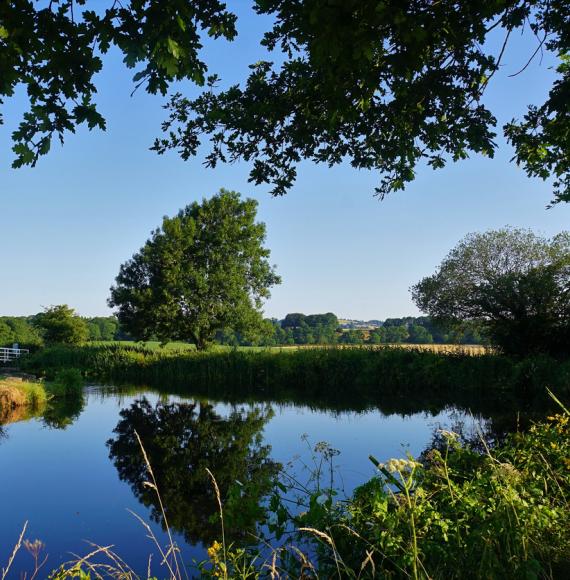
{"points": [[181, 441], [63, 412], [502, 412]]}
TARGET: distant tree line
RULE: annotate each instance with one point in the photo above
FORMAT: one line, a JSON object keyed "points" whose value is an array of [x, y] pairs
{"points": [[57, 325], [61, 325], [299, 329]]}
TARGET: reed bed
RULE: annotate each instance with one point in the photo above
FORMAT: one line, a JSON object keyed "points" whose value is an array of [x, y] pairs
{"points": [[366, 375]]}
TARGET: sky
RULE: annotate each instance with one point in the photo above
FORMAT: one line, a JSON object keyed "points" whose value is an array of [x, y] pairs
{"points": [[69, 223]]}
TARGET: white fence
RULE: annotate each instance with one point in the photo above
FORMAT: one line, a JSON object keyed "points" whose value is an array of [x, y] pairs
{"points": [[10, 354]]}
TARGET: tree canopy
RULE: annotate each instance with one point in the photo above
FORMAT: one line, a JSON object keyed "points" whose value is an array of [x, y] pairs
{"points": [[61, 325], [383, 84], [203, 270], [513, 281], [20, 330]]}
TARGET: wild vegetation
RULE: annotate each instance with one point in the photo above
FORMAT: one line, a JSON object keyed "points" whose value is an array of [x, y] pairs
{"points": [[366, 375], [24, 391], [460, 510], [455, 512], [21, 392]]}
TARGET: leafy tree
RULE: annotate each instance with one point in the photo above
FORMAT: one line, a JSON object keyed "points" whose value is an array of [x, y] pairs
{"points": [[203, 270], [419, 335], [54, 49], [6, 335], [18, 329], [352, 337], [60, 325], [396, 334], [103, 328], [182, 440], [383, 84], [310, 329], [514, 283], [293, 320], [377, 336]]}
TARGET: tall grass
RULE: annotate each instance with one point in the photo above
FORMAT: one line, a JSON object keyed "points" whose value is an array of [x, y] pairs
{"points": [[15, 392], [364, 376]]}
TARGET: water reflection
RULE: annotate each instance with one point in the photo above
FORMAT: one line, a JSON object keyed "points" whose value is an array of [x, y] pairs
{"points": [[181, 440], [64, 413]]}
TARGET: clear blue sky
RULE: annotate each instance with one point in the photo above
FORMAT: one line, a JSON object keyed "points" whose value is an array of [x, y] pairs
{"points": [[68, 224]]}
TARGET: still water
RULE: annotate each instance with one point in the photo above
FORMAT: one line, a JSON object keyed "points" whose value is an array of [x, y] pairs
{"points": [[76, 473]]}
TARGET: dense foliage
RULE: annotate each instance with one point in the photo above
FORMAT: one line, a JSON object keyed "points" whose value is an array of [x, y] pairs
{"points": [[203, 270], [385, 85], [301, 329], [514, 282], [60, 325], [312, 329], [349, 378], [19, 330], [104, 328], [456, 513], [54, 49]]}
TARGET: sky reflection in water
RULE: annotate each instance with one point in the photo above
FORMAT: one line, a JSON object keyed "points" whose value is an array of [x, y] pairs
{"points": [[66, 485]]}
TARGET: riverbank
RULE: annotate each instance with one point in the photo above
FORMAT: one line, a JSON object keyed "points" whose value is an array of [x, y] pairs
{"points": [[18, 391], [22, 395], [338, 377]]}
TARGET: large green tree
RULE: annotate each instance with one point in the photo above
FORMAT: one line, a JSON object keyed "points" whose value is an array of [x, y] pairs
{"points": [[512, 281], [61, 325], [383, 84], [203, 270], [18, 329]]}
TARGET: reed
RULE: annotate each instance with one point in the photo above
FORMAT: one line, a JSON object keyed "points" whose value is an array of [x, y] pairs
{"points": [[366, 375]]}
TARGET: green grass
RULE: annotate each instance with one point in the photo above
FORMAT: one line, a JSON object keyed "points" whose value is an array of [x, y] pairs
{"points": [[185, 347], [22, 392], [359, 378]]}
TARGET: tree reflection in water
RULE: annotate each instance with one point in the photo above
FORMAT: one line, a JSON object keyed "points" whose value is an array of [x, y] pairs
{"points": [[181, 441], [64, 412]]}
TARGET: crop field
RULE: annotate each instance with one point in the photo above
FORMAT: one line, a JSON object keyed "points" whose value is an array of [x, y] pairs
{"points": [[470, 349]]}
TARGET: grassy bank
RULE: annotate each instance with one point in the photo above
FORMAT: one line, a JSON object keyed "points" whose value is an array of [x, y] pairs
{"points": [[358, 377], [21, 392], [453, 513], [22, 396]]}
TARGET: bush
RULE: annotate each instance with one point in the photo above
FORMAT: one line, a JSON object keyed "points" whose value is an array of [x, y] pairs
{"points": [[66, 382]]}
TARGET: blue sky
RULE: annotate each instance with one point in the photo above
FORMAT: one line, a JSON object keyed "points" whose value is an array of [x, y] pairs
{"points": [[68, 224]]}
